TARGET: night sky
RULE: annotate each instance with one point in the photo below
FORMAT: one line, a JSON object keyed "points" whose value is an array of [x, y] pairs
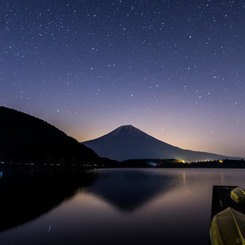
{"points": [[172, 68]]}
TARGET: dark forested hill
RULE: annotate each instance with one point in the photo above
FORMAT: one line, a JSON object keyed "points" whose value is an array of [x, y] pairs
{"points": [[24, 138]]}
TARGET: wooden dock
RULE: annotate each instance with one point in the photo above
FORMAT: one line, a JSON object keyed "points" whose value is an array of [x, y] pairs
{"points": [[221, 200]]}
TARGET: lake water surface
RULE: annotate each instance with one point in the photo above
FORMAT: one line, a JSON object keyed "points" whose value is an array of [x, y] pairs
{"points": [[110, 206]]}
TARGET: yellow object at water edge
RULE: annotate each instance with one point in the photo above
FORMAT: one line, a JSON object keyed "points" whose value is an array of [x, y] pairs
{"points": [[228, 228], [238, 195]]}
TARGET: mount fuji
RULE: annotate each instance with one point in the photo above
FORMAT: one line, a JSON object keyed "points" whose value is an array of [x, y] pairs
{"points": [[128, 142]]}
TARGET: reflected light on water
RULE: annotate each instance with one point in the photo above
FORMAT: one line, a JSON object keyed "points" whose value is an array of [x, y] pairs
{"points": [[184, 177]]}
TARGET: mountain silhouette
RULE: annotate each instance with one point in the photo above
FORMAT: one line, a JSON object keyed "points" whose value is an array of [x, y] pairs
{"points": [[24, 138], [128, 142]]}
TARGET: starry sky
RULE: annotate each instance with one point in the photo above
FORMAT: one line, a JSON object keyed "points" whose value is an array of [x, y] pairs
{"points": [[173, 68]]}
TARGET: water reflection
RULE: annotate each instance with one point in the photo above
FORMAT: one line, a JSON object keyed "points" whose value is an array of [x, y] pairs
{"points": [[26, 195], [119, 206], [128, 190]]}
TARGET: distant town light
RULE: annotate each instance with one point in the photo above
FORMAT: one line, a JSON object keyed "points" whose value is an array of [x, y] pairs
{"points": [[181, 161]]}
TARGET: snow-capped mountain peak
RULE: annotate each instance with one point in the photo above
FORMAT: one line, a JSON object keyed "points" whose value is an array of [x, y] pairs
{"points": [[126, 130], [127, 142]]}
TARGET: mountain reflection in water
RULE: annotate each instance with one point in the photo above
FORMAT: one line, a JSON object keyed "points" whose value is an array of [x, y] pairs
{"points": [[129, 189], [28, 194]]}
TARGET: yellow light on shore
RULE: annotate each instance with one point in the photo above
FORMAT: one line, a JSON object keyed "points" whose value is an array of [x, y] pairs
{"points": [[181, 161], [221, 161]]}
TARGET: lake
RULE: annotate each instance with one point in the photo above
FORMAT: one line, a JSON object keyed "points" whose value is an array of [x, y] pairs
{"points": [[109, 206]]}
